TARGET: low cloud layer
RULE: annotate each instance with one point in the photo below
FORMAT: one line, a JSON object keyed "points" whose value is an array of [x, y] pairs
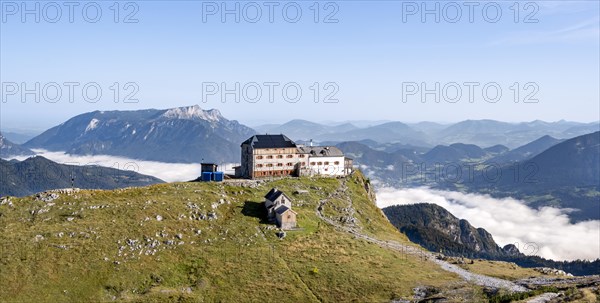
{"points": [[169, 172], [510, 221]]}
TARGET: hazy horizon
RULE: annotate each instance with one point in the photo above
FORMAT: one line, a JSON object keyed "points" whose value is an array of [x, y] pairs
{"points": [[257, 123]]}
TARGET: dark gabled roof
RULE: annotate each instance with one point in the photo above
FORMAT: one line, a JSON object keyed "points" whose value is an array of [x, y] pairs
{"points": [[271, 194], [282, 209], [274, 193], [269, 141], [321, 151]]}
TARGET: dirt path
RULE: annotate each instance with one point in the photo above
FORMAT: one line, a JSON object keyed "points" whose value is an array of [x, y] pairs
{"points": [[466, 275]]}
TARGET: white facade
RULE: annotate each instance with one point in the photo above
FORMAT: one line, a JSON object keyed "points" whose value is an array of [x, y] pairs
{"points": [[326, 166]]}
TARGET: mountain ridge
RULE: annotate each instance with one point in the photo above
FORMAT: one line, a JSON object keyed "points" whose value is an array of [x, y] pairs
{"points": [[37, 174], [183, 135], [10, 149]]}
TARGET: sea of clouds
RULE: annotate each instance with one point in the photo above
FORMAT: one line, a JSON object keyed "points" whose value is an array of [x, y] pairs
{"points": [[545, 232], [169, 172]]}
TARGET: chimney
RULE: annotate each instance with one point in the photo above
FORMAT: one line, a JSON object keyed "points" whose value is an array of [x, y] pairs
{"points": [[311, 143]]}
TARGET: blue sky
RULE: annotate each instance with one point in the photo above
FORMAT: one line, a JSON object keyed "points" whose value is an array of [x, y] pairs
{"points": [[367, 57]]}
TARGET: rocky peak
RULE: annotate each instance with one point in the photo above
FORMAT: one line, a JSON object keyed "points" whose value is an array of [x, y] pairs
{"points": [[436, 228], [192, 113], [511, 249]]}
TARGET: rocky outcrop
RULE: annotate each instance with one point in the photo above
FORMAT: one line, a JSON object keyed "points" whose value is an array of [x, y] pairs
{"points": [[438, 230], [552, 271]]}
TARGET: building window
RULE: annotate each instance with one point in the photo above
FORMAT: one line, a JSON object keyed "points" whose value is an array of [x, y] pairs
{"points": [[326, 162], [290, 164], [279, 164], [300, 156], [279, 156], [336, 162], [269, 157], [303, 164], [270, 165], [259, 157], [319, 163], [259, 165], [289, 156], [312, 163]]}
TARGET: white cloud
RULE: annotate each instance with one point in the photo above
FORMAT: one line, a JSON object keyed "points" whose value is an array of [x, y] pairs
{"points": [[549, 8], [169, 172], [510, 221], [584, 31]]}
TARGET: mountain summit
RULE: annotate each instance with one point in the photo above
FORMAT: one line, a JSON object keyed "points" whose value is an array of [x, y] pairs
{"points": [[193, 113]]}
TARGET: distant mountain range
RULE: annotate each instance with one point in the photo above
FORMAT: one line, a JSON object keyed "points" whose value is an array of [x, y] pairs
{"points": [[185, 134], [10, 149], [483, 133], [190, 134], [565, 175], [574, 162], [545, 172], [436, 229], [526, 151], [302, 129], [37, 174]]}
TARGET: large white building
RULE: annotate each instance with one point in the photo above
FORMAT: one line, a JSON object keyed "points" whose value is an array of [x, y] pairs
{"points": [[277, 155]]}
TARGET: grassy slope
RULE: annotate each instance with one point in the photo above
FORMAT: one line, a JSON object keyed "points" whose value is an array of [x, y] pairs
{"points": [[235, 257], [499, 269]]}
